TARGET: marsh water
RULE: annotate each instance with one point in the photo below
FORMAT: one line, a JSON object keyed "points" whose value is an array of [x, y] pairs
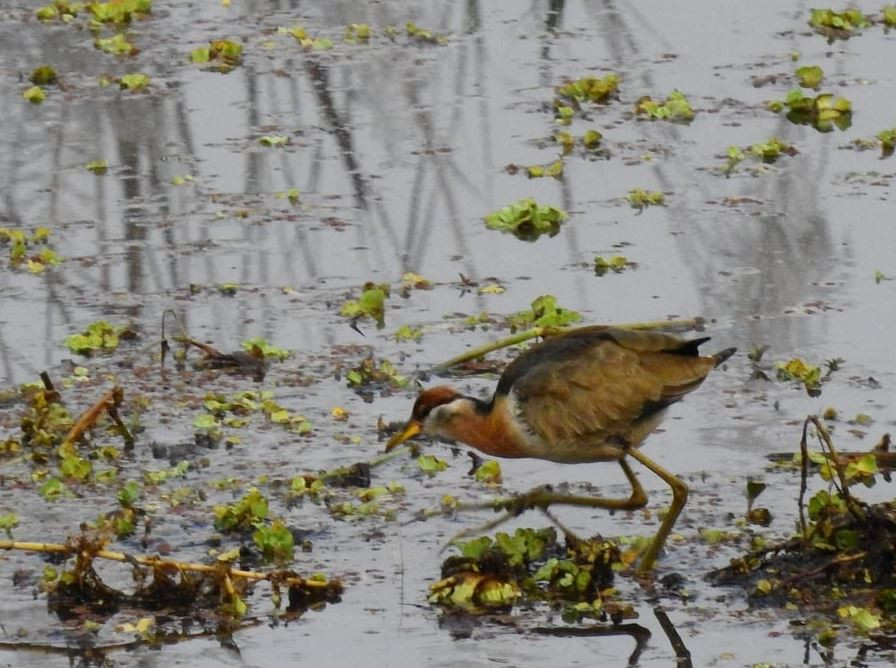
{"points": [[398, 148]]}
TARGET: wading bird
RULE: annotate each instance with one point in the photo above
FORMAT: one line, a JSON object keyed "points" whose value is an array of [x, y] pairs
{"points": [[591, 394]]}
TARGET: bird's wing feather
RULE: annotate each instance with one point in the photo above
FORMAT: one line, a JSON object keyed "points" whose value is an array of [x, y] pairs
{"points": [[598, 384]]}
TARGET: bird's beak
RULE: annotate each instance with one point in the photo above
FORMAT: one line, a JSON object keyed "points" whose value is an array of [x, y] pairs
{"points": [[411, 429]]}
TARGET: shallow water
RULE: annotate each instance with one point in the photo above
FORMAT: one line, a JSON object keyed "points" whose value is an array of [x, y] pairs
{"points": [[399, 149]]}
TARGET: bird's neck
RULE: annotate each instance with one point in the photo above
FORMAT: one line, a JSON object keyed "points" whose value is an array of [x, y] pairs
{"points": [[488, 427]]}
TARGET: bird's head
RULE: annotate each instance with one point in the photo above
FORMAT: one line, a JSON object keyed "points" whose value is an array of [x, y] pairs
{"points": [[433, 413]]}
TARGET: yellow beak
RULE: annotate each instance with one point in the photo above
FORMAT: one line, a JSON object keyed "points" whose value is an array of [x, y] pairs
{"points": [[411, 429]]}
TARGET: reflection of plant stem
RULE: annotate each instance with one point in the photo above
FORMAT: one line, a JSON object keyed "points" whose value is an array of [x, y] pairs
{"points": [[682, 653], [58, 548], [475, 353]]}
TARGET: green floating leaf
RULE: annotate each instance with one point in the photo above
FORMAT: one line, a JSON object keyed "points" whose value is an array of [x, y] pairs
{"points": [[119, 12], [616, 263], [100, 336], [371, 303], [674, 108], [809, 76], [275, 542], [358, 33], [133, 82], [274, 140], [98, 167], [798, 369], [430, 464], [544, 313], [43, 76], [117, 45], [243, 515], [591, 89], [823, 112], [641, 199], [34, 94], [527, 220], [837, 25], [266, 349]]}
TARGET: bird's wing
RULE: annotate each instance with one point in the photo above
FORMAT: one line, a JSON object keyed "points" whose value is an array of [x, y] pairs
{"points": [[594, 384]]}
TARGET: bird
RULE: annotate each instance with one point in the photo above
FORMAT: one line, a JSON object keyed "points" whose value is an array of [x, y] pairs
{"points": [[588, 394]]}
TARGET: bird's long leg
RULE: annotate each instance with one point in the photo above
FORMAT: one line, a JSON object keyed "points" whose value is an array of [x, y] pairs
{"points": [[543, 497], [679, 497]]}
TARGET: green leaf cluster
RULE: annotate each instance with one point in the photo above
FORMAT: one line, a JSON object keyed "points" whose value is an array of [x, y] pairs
{"points": [[245, 514], [591, 89], [888, 16], [99, 336], [119, 12], [373, 372], [769, 151], [225, 54], [674, 108], [60, 9], [809, 76], [44, 75], [823, 112], [20, 242], [430, 464], [545, 312], [555, 170], [616, 263], [887, 139], [358, 33], [418, 34], [797, 369], [526, 219], [837, 24], [640, 199], [117, 45], [494, 573], [371, 303], [265, 349], [133, 82], [275, 541]]}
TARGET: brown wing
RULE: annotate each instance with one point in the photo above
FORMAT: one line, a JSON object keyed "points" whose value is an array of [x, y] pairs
{"points": [[595, 383]]}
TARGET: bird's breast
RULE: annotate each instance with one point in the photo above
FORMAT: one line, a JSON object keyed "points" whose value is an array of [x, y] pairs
{"points": [[504, 432]]}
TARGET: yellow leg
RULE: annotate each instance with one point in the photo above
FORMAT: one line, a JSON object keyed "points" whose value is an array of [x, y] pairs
{"points": [[679, 498], [542, 498]]}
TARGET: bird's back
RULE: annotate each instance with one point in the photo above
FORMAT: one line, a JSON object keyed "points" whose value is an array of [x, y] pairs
{"points": [[585, 394]]}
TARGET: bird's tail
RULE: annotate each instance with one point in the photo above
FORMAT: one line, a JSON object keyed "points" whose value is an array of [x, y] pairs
{"points": [[723, 355]]}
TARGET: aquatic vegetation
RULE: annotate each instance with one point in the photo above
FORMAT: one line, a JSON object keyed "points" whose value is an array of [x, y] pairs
{"points": [[641, 199], [224, 54], [371, 304], [809, 76], [44, 75], [674, 108], [591, 89], [545, 312], [616, 263], [823, 112], [837, 25], [34, 94], [841, 560], [530, 566], [133, 82], [527, 220], [358, 33], [99, 336]]}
